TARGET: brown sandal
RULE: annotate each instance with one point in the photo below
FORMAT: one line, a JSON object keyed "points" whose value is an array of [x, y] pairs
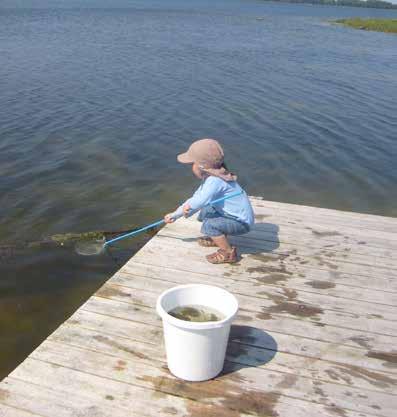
{"points": [[206, 241], [223, 257]]}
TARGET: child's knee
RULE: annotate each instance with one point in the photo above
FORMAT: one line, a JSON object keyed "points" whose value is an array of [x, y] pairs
{"points": [[210, 228], [205, 212]]}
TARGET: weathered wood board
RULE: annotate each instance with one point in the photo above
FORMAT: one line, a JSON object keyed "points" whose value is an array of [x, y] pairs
{"points": [[316, 334]]}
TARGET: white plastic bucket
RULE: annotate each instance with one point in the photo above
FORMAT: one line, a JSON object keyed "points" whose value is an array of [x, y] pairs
{"points": [[196, 351]]}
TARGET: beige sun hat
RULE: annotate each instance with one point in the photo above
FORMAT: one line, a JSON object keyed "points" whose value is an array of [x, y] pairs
{"points": [[208, 154]]}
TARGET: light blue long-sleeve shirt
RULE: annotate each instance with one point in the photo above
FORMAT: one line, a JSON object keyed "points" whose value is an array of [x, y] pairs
{"points": [[213, 188]]}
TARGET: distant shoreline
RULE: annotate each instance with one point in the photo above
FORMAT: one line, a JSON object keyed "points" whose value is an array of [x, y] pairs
{"points": [[378, 25], [369, 4]]}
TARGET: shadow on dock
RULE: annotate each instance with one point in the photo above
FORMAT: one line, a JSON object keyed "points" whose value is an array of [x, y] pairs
{"points": [[250, 243], [248, 347]]}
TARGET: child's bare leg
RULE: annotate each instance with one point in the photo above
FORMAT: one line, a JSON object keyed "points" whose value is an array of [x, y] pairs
{"points": [[222, 242]]}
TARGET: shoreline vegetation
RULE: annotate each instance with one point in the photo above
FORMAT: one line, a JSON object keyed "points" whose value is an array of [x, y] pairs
{"points": [[373, 4], [378, 25]]}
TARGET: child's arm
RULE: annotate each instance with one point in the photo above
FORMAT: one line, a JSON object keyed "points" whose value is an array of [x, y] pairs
{"points": [[171, 217], [207, 192]]}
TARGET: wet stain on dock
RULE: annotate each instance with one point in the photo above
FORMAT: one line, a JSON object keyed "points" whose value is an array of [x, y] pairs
{"points": [[264, 316], [346, 372], [289, 303], [336, 410], [389, 358], [231, 402], [363, 341], [324, 233], [109, 292], [170, 410], [261, 217], [244, 317], [4, 394], [120, 366], [288, 381], [112, 342], [321, 285], [323, 262], [272, 278], [300, 310], [271, 274]]}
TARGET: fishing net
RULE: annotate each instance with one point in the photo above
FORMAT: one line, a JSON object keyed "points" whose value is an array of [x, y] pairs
{"points": [[90, 247], [85, 244]]}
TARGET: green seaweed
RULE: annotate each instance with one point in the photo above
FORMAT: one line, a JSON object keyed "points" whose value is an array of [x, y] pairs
{"points": [[379, 25], [8, 249]]}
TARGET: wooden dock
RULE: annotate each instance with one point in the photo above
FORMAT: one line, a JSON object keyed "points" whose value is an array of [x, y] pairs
{"points": [[316, 334]]}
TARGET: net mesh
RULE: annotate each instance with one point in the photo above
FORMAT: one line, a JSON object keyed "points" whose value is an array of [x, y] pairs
{"points": [[89, 247]]}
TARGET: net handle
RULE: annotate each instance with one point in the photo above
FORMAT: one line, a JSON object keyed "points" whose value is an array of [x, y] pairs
{"points": [[159, 222]]}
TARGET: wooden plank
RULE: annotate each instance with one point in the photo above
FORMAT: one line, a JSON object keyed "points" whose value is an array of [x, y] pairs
{"points": [[212, 404], [325, 238], [276, 269], [316, 254], [346, 227], [249, 289], [258, 261], [231, 389], [272, 299], [302, 265], [147, 280], [367, 220], [261, 202], [265, 308], [303, 331], [251, 285], [289, 230], [276, 222], [113, 337], [261, 240], [103, 395], [286, 343], [49, 400], [6, 411]]}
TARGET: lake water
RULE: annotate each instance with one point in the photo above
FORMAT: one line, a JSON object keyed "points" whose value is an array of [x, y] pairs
{"points": [[96, 103]]}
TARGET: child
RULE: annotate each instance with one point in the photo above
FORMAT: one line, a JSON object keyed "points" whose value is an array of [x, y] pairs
{"points": [[233, 216]]}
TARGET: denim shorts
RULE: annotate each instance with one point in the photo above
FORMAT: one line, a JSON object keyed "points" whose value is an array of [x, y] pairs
{"points": [[217, 224]]}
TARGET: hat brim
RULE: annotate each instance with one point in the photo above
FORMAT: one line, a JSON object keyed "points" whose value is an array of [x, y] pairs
{"points": [[185, 158]]}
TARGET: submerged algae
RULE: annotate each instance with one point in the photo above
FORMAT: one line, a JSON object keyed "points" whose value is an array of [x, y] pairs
{"points": [[379, 25], [9, 249]]}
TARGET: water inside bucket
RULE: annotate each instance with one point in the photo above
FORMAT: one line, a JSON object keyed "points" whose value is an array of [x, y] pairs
{"points": [[196, 313]]}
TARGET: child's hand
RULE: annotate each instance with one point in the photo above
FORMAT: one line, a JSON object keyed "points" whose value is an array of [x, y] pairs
{"points": [[186, 210], [168, 218]]}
